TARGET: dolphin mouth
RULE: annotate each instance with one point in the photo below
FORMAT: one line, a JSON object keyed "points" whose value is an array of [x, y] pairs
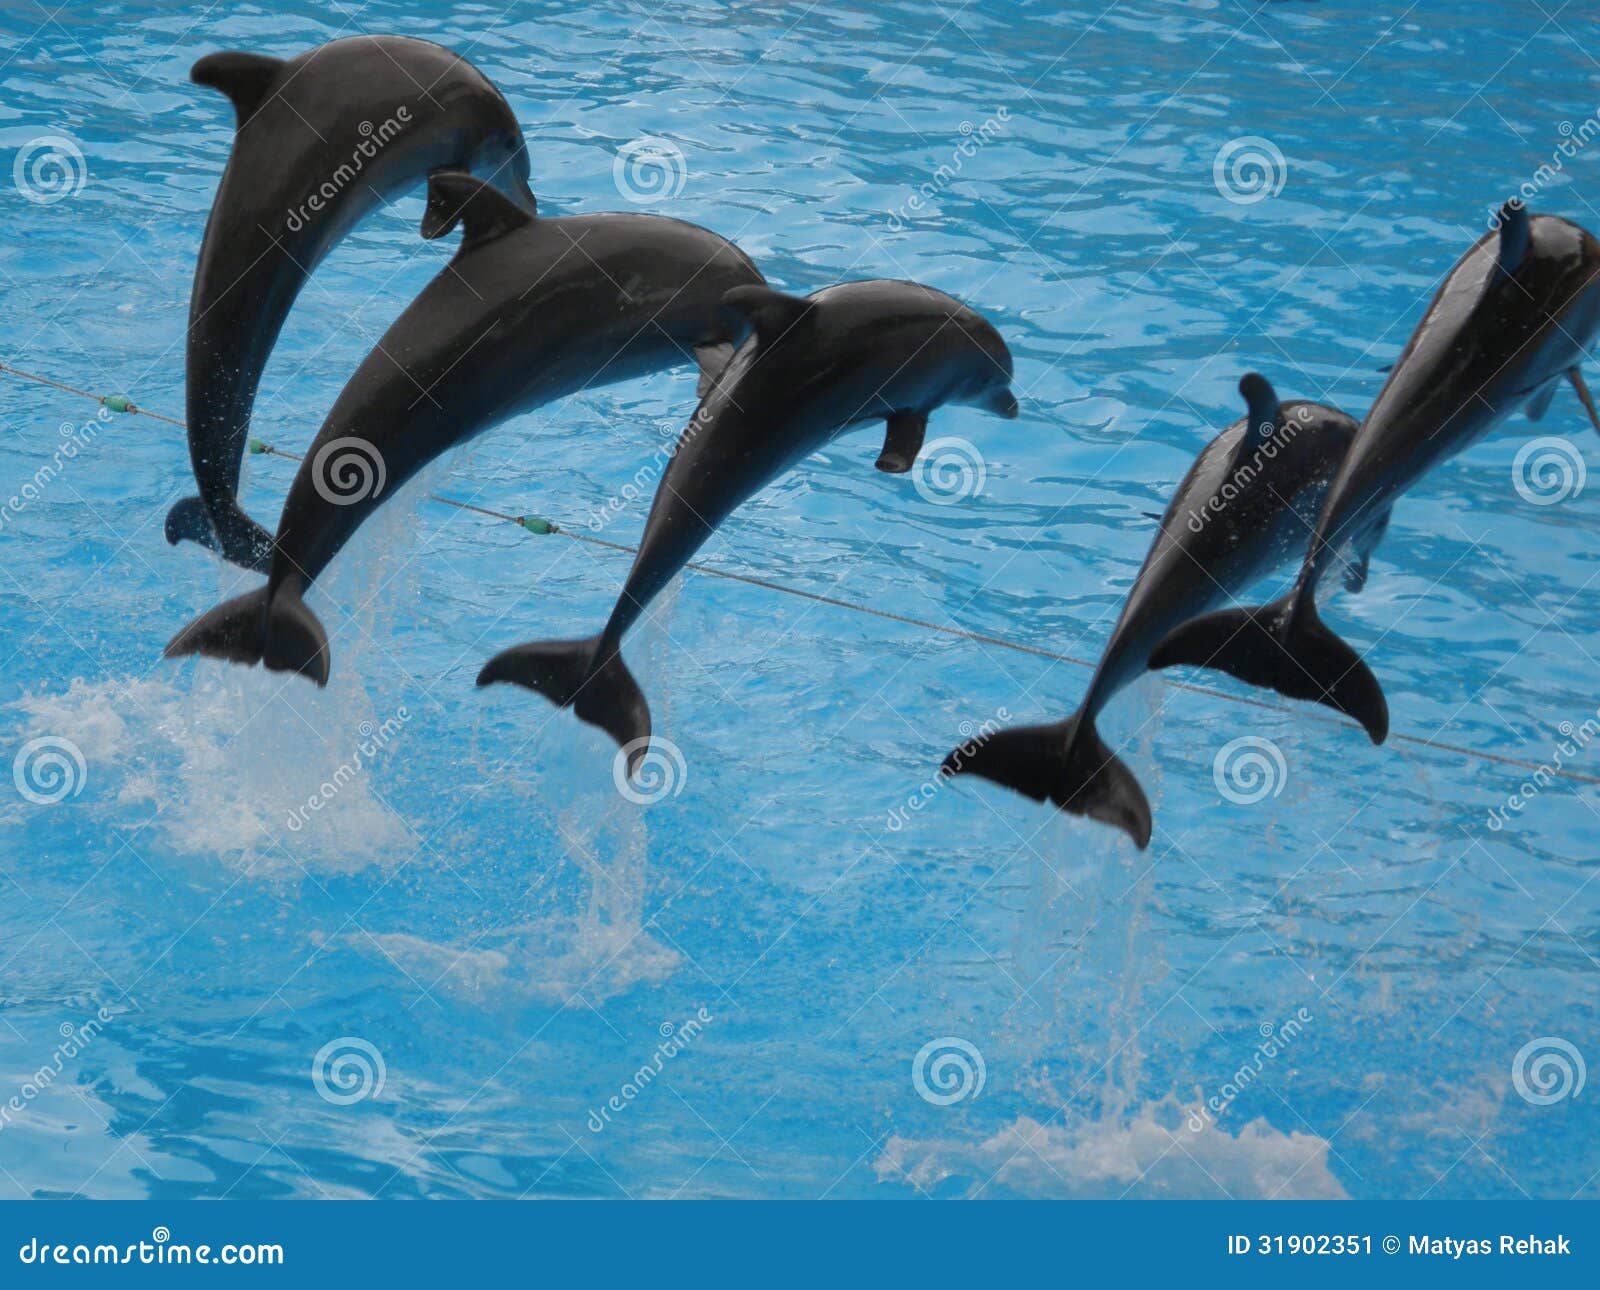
{"points": [[1001, 401]]}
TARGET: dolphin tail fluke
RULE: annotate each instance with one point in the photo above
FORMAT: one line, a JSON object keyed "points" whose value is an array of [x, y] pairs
{"points": [[231, 533], [259, 627], [573, 674], [1286, 647], [235, 630], [188, 521], [1065, 764], [296, 641]]}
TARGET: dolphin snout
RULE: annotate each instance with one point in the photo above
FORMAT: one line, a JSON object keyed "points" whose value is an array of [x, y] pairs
{"points": [[1001, 401]]}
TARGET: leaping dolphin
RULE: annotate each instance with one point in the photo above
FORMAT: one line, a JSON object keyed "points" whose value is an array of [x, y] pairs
{"points": [[529, 310], [814, 368], [322, 140], [1514, 318], [1245, 506]]}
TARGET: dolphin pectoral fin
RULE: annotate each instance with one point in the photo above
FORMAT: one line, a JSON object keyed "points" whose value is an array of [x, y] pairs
{"points": [[769, 313], [711, 359], [1576, 377], [483, 211], [1539, 404], [245, 78], [1066, 765], [567, 673], [903, 442], [1360, 557], [1356, 570]]}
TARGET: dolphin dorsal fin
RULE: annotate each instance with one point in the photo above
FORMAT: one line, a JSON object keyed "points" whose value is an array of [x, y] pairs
{"points": [[1263, 410], [483, 210], [244, 78], [1514, 236], [770, 313]]}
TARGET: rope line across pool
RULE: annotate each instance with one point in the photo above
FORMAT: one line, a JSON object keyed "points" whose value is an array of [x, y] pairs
{"points": [[541, 526]]}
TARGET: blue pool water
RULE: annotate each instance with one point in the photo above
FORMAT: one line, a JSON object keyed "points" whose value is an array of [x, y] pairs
{"points": [[1325, 992]]}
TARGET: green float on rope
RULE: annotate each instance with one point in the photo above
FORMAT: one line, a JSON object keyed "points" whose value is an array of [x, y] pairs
{"points": [[118, 403]]}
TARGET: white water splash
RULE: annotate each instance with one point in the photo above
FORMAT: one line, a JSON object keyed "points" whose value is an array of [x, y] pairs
{"points": [[551, 960], [218, 770], [1088, 920], [596, 953], [216, 760], [1148, 1154]]}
